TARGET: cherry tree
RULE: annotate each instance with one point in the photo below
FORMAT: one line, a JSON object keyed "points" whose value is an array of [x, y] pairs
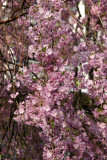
{"points": [[52, 47]]}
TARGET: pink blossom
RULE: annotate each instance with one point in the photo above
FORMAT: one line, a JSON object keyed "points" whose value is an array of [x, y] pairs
{"points": [[9, 86], [14, 95], [17, 84], [49, 51], [21, 110]]}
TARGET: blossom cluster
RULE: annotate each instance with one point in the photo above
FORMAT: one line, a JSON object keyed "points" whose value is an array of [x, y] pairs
{"points": [[68, 131]]}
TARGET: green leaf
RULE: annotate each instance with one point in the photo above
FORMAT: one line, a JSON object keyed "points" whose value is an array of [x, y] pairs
{"points": [[58, 24], [44, 49], [80, 117], [73, 139], [67, 129], [52, 124], [63, 72], [99, 3], [21, 73], [77, 83], [93, 53], [75, 133], [100, 109], [0, 155]]}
